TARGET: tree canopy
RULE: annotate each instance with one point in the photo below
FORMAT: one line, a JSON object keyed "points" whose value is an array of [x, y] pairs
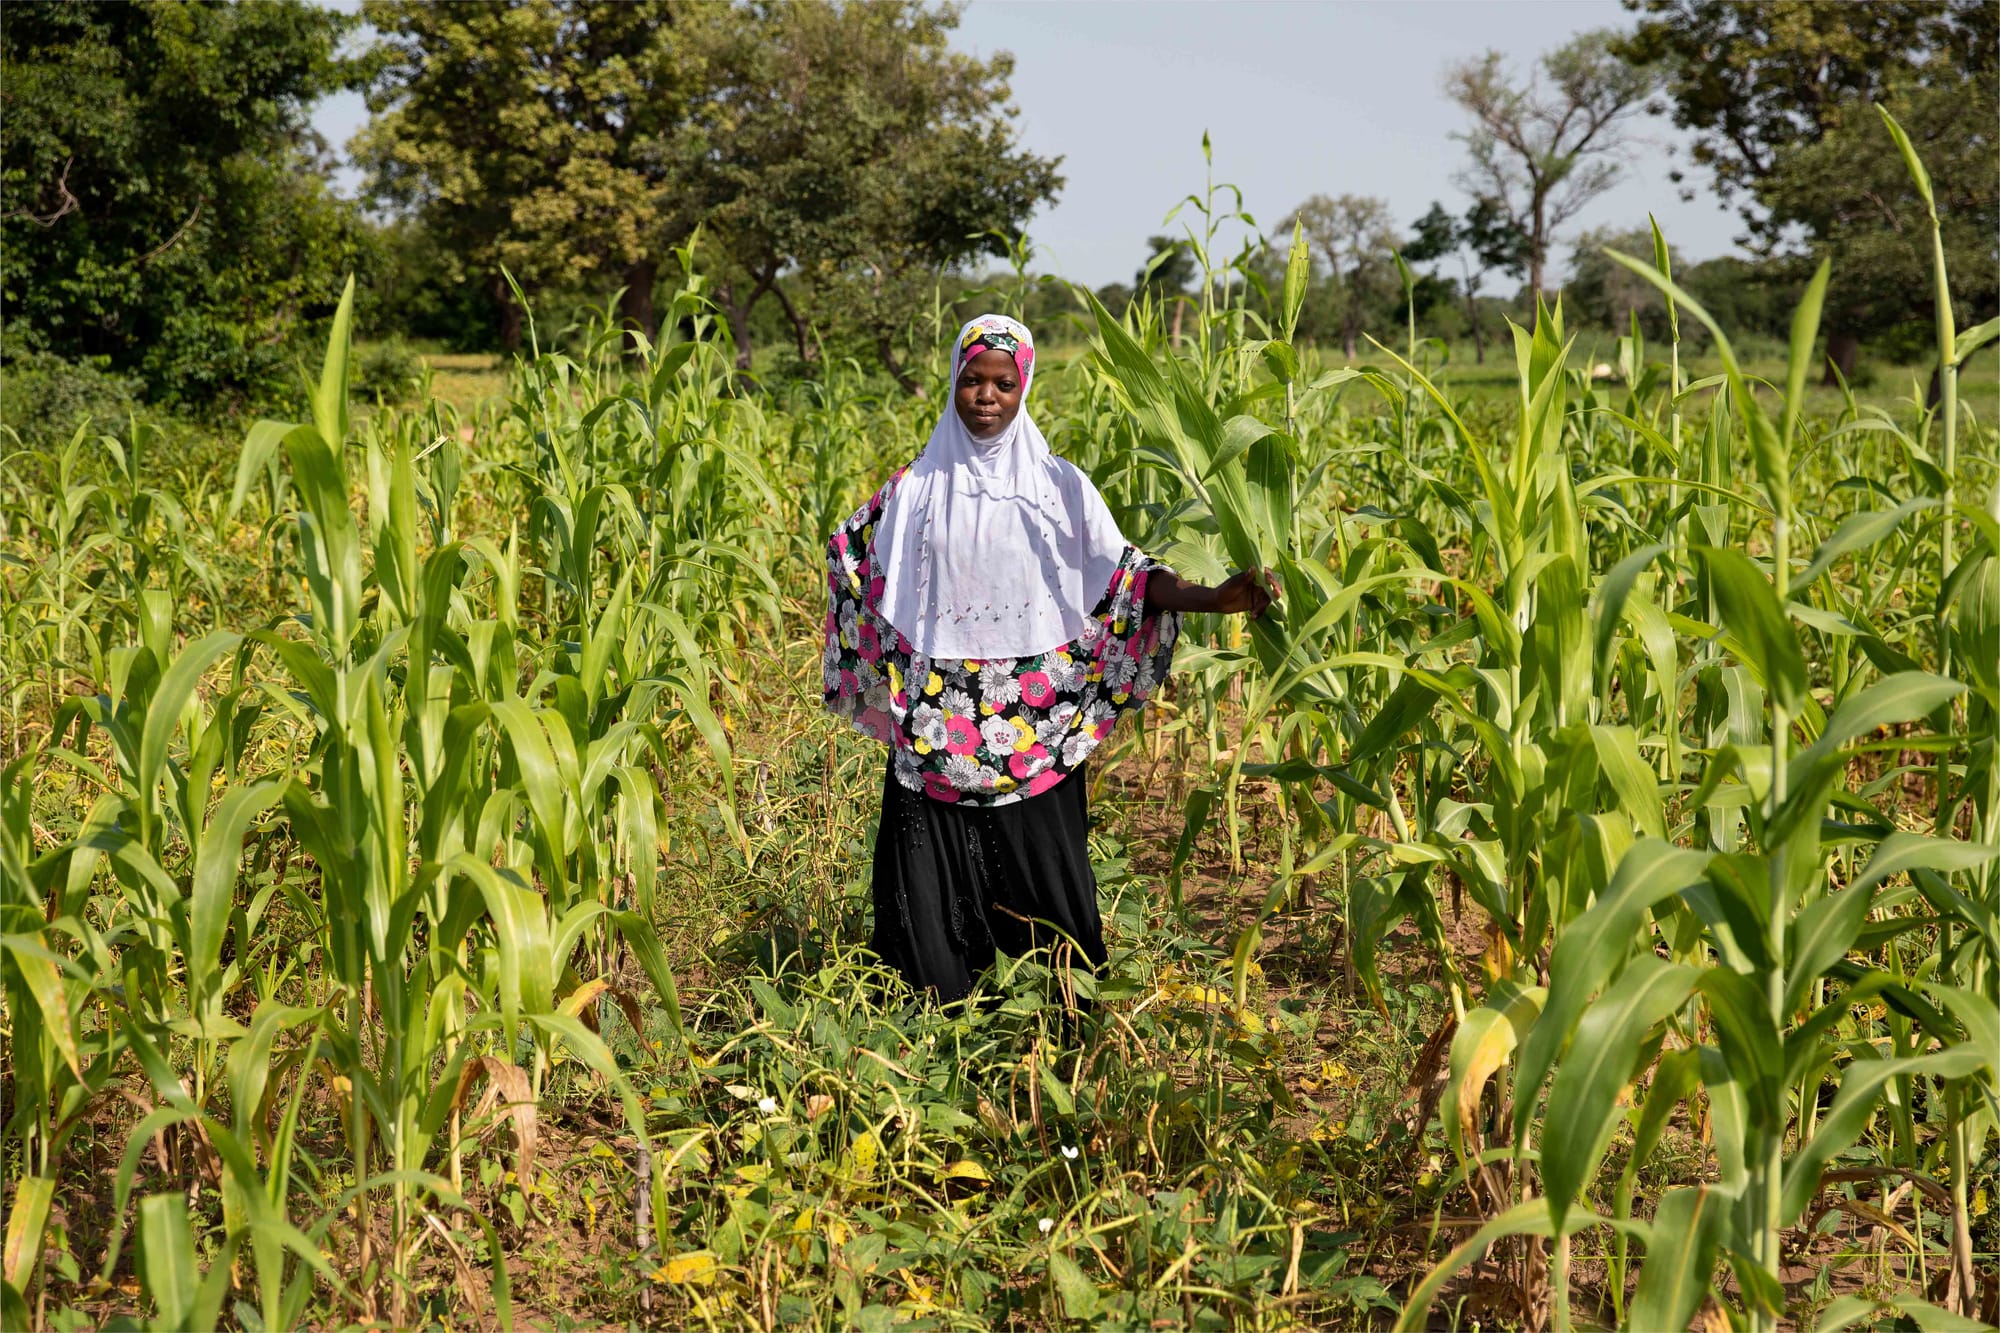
{"points": [[166, 215], [551, 137], [1543, 147], [1780, 96], [844, 147]]}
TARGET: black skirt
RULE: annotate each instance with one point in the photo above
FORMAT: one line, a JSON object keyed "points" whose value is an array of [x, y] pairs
{"points": [[954, 883]]}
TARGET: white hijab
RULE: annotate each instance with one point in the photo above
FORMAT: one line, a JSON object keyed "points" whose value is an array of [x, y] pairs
{"points": [[993, 548]]}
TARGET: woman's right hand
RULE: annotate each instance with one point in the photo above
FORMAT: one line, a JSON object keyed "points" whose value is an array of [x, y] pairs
{"points": [[1249, 593]]}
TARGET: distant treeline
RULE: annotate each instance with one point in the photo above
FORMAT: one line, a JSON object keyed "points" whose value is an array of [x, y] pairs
{"points": [[168, 231]]}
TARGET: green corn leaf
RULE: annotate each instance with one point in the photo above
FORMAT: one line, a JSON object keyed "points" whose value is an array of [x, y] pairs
{"points": [[1638, 789], [1860, 1092], [645, 944], [1749, 1043], [1845, 1312], [330, 399], [1805, 333], [41, 974], [166, 1262], [214, 889], [1821, 936], [1607, 604], [1975, 338], [1858, 532], [521, 939], [260, 446], [1530, 1217], [1594, 945], [1750, 612], [1688, 1229], [170, 702], [1610, 1038], [1979, 1016], [1662, 260], [27, 1216], [1674, 1080], [594, 1053], [1298, 273], [1766, 446], [1479, 1048]]}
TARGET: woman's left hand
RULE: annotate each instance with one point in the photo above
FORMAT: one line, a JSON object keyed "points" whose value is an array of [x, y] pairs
{"points": [[1248, 593]]}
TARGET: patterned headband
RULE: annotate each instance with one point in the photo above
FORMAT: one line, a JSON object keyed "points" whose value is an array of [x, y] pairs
{"points": [[997, 333]]}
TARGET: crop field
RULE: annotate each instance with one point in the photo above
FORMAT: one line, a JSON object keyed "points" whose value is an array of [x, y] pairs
{"points": [[434, 897]]}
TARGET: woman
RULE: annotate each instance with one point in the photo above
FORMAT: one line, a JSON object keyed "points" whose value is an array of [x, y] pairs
{"points": [[989, 623]]}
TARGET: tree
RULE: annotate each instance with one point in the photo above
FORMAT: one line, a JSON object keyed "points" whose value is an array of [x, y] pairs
{"points": [[545, 136], [856, 153], [1483, 242], [1852, 191], [1761, 84], [1354, 237], [845, 147], [1607, 294], [166, 209], [1540, 153], [1165, 278]]}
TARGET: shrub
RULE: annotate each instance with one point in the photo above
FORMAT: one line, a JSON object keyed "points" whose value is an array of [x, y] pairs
{"points": [[43, 398]]}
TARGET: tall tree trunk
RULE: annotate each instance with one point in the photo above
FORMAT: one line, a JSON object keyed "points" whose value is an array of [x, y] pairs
{"points": [[510, 314], [737, 315], [1538, 249], [1349, 334], [635, 305], [1471, 290], [884, 350], [1842, 350], [801, 330]]}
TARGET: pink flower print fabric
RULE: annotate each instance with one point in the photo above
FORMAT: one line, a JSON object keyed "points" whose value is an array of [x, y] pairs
{"points": [[988, 732]]}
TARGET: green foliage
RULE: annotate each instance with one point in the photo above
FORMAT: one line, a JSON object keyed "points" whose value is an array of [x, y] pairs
{"points": [[419, 778], [1853, 192], [1778, 95], [845, 147], [165, 214], [1542, 147], [44, 399]]}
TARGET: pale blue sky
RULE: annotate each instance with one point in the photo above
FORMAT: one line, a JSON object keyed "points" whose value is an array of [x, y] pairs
{"points": [[1298, 97]]}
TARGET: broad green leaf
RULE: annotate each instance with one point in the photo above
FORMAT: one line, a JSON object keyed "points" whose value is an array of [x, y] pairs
{"points": [[42, 976], [1805, 333], [1688, 1228], [27, 1215], [214, 889], [166, 1261], [1600, 1062], [330, 399], [1076, 1291], [1479, 1048], [1752, 1046], [1530, 1217], [1860, 1093], [1593, 946], [1750, 611]]}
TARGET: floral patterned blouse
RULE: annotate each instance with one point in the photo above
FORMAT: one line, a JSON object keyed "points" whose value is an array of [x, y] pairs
{"points": [[994, 732]]}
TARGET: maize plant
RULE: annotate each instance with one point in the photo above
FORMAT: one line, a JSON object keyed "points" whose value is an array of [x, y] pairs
{"points": [[427, 868]]}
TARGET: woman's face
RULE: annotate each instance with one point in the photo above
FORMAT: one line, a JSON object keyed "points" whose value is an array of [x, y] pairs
{"points": [[988, 393]]}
